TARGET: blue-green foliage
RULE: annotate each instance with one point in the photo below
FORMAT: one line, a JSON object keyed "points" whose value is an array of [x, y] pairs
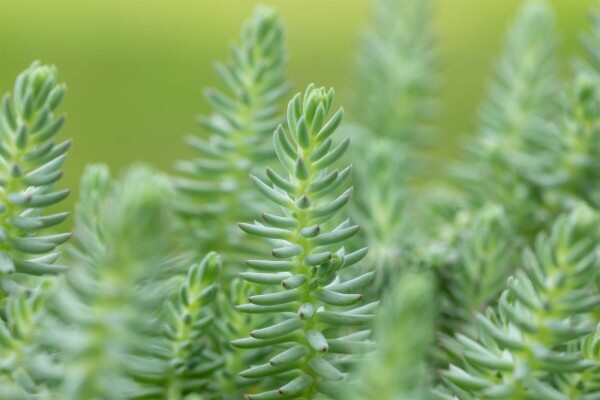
{"points": [[214, 187], [397, 73], [521, 106], [487, 226], [393, 115], [187, 362], [20, 353], [548, 304], [312, 301], [405, 332], [105, 324], [499, 290], [30, 165]]}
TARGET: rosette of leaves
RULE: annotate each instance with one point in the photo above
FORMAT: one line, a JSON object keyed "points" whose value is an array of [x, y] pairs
{"points": [[523, 348], [214, 191], [30, 165], [313, 303]]}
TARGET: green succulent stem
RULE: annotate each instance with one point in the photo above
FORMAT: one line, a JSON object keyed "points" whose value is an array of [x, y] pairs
{"points": [[547, 305], [213, 189], [307, 265], [189, 318], [30, 167], [19, 335]]}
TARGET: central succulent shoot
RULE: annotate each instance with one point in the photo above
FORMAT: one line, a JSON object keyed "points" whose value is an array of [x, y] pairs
{"points": [[313, 304]]}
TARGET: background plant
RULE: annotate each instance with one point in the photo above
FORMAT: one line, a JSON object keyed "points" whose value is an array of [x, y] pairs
{"points": [[214, 188], [394, 110]]}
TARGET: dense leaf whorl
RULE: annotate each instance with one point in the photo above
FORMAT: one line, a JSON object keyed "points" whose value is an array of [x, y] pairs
{"points": [[548, 304], [104, 312], [307, 258], [30, 165], [405, 332], [214, 191], [522, 105]]}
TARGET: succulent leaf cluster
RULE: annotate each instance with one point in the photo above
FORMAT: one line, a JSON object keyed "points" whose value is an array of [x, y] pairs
{"points": [[307, 258], [520, 107], [21, 352], [103, 312], [214, 188], [393, 119], [30, 166], [489, 286], [538, 153], [547, 305], [404, 333]]}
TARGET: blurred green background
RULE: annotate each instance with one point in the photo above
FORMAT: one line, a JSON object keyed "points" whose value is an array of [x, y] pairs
{"points": [[136, 69]]}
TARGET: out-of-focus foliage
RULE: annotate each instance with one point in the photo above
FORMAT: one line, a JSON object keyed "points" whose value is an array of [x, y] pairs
{"points": [[215, 190], [488, 224], [396, 72], [20, 354], [520, 106], [549, 303], [382, 208], [405, 332], [393, 112], [105, 325], [537, 163]]}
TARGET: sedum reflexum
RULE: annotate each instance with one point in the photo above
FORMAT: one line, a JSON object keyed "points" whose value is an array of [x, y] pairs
{"points": [[382, 209], [564, 163], [232, 324], [549, 304], [214, 191], [104, 324], [393, 111], [404, 332], [312, 301], [486, 259], [396, 75], [20, 353], [30, 165], [522, 104], [583, 384], [187, 365]]}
